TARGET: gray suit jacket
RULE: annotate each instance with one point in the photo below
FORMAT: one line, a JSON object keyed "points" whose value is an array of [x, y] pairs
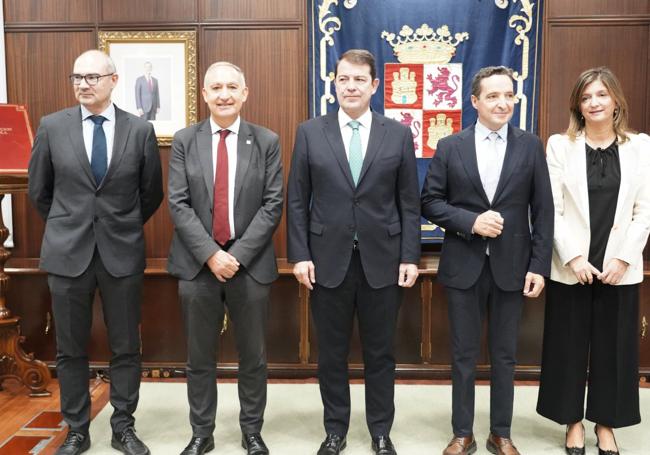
{"points": [[146, 99], [257, 200], [78, 214]]}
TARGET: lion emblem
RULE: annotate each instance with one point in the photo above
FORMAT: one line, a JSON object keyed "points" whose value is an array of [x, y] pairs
{"points": [[444, 84]]}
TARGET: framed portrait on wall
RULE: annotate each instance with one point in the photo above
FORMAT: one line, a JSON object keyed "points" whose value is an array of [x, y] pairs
{"points": [[157, 77]]}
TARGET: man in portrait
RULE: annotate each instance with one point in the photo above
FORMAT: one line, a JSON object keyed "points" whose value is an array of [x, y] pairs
{"points": [[147, 94]]}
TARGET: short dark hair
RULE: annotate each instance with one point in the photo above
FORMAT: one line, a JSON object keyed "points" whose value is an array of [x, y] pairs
{"points": [[486, 72], [359, 57]]}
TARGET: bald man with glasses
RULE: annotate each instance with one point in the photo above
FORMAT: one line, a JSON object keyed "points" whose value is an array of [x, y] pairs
{"points": [[95, 178]]}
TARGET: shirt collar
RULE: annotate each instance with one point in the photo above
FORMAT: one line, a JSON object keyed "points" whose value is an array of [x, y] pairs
{"points": [[108, 114], [233, 128], [482, 131], [364, 119]]}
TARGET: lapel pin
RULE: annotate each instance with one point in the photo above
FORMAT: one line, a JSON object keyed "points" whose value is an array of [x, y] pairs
{"points": [[248, 142]]}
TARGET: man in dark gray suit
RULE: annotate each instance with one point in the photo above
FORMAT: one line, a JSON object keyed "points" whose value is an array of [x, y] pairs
{"points": [[95, 178], [147, 94], [354, 236], [225, 198], [488, 187]]}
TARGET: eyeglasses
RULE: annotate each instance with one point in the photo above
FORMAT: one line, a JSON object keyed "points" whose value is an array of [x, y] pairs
{"points": [[91, 79]]}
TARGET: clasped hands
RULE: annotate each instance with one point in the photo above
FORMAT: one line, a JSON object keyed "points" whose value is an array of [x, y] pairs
{"points": [[305, 273], [612, 272], [223, 265], [490, 224]]}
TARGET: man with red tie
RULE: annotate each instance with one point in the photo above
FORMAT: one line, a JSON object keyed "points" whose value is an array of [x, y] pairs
{"points": [[222, 249]]}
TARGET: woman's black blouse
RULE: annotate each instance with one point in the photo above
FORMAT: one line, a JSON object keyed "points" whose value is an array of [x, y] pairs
{"points": [[603, 181]]}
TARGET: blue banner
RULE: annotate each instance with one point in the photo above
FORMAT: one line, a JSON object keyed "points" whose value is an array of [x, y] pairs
{"points": [[427, 52]]}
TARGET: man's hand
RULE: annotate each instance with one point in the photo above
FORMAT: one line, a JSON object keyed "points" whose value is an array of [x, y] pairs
{"points": [[223, 265], [583, 270], [408, 273], [488, 224], [613, 271], [533, 285], [304, 271]]}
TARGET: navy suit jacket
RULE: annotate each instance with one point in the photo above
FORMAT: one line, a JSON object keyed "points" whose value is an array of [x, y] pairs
{"points": [[325, 208], [453, 197]]}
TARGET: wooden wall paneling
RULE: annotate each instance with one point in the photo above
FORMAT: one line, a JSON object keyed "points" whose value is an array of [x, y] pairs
{"points": [[147, 12], [49, 11], [162, 330], [574, 47], [440, 341], [38, 65], [531, 331], [283, 328], [596, 7], [644, 328], [159, 229], [261, 10], [408, 334], [274, 64]]}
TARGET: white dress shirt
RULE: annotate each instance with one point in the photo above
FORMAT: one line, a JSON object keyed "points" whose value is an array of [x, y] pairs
{"points": [[88, 126], [231, 145], [482, 140], [365, 121]]}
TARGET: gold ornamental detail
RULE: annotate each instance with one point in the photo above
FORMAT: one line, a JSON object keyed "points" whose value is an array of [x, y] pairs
{"points": [[328, 24], [522, 23], [424, 45]]}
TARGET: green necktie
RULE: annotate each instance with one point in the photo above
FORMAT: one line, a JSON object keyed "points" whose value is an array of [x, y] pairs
{"points": [[355, 158]]}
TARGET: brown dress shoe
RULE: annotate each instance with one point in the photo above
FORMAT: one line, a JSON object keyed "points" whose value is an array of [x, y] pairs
{"points": [[461, 446], [501, 446]]}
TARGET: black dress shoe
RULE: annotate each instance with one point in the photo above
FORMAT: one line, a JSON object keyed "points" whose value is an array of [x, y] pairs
{"points": [[332, 445], [199, 446], [382, 445], [75, 443], [127, 442], [254, 444]]}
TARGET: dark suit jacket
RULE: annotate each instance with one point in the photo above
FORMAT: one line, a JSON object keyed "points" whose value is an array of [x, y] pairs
{"points": [[325, 209], [453, 197], [80, 216], [145, 98], [258, 200]]}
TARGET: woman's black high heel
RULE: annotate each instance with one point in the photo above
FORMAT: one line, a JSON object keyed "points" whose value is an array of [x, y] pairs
{"points": [[575, 450], [601, 451]]}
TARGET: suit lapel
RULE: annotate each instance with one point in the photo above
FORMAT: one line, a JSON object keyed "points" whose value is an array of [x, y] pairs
{"points": [[333, 135], [244, 151], [577, 182], [511, 161], [204, 151], [77, 140], [468, 158], [377, 133], [120, 137]]}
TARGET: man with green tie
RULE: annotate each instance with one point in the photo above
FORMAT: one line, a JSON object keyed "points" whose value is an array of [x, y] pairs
{"points": [[353, 233]]}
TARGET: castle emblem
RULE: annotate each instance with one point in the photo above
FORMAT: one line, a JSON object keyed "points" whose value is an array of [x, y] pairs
{"points": [[439, 127], [404, 87]]}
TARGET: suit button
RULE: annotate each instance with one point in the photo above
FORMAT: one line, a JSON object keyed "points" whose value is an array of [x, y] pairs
{"points": [[356, 202]]}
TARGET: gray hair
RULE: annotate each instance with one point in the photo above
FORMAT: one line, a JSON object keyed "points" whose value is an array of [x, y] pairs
{"points": [[227, 64]]}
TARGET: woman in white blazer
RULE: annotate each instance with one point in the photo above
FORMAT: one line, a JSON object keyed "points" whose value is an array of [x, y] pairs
{"points": [[600, 174]]}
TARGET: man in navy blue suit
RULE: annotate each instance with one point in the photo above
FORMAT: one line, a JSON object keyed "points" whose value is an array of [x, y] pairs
{"points": [[488, 187]]}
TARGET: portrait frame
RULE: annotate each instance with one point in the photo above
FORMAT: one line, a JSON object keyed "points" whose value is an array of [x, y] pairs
{"points": [[171, 75]]}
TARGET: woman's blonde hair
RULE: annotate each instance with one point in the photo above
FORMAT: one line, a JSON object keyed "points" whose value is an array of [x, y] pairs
{"points": [[610, 81]]}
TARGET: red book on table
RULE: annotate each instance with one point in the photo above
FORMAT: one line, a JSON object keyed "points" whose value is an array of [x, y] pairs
{"points": [[16, 139]]}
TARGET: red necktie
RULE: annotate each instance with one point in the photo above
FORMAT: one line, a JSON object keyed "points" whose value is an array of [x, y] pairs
{"points": [[151, 85], [220, 219]]}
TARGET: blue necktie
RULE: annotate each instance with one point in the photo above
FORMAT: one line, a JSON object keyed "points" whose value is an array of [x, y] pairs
{"points": [[99, 159], [355, 158]]}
